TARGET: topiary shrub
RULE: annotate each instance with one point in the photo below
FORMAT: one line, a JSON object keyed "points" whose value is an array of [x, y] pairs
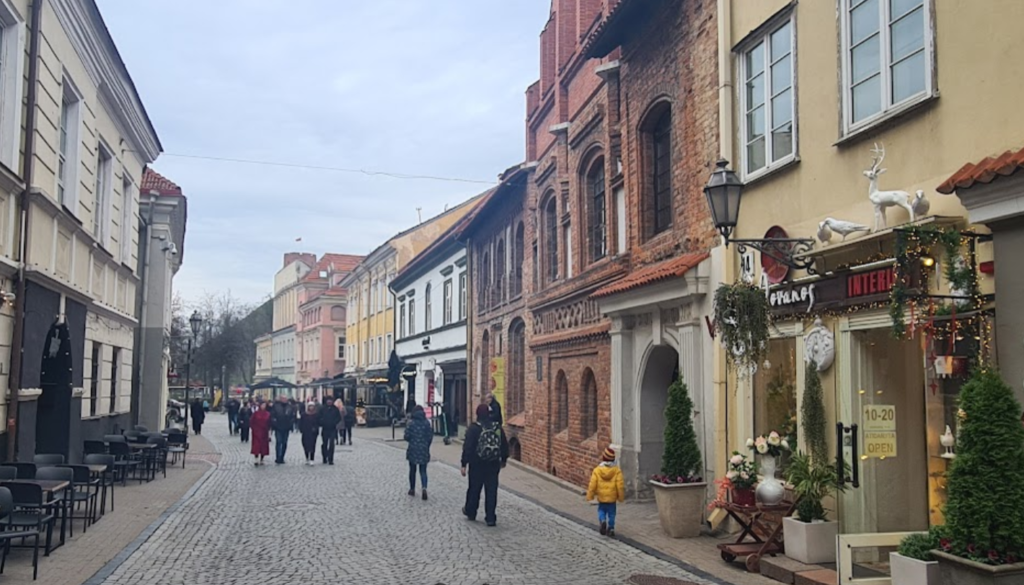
{"points": [[812, 414], [681, 461], [985, 493], [919, 546]]}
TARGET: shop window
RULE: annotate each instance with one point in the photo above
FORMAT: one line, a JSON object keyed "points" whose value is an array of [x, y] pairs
{"points": [[94, 378], [775, 404]]}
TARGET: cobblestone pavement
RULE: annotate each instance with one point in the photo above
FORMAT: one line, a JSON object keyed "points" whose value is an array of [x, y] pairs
{"points": [[354, 523]]}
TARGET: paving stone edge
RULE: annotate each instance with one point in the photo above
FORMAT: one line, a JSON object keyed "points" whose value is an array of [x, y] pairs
{"points": [[112, 565]]}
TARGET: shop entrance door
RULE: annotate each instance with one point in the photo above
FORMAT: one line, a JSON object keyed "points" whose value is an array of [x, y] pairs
{"points": [[881, 435]]}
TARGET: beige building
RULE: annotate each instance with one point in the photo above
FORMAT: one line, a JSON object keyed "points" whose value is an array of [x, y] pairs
{"points": [[816, 97], [286, 313], [264, 357]]}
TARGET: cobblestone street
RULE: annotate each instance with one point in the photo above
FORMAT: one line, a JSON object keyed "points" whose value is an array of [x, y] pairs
{"points": [[354, 523]]}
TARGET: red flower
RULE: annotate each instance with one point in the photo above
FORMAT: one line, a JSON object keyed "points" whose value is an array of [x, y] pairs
{"points": [[1011, 558], [993, 556], [971, 549], [945, 544]]}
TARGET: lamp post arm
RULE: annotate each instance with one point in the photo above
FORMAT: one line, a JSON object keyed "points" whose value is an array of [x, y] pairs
{"points": [[782, 250]]}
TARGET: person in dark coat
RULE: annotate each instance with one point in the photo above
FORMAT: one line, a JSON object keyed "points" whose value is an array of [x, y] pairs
{"points": [[260, 423], [494, 409], [419, 436], [244, 415], [309, 427], [330, 418], [232, 408], [282, 419], [350, 422], [198, 416], [484, 452]]}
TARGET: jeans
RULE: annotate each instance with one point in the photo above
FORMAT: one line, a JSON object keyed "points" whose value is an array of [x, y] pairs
{"points": [[346, 432], [244, 432], [232, 423], [327, 448], [412, 475], [280, 444], [484, 476], [606, 513], [309, 445]]}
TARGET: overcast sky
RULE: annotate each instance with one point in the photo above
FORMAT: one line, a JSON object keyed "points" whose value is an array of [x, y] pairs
{"points": [[402, 86]]}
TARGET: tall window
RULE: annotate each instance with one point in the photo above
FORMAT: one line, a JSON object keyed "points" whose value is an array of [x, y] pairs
{"points": [[485, 359], [381, 358], [402, 323], [887, 57], [596, 205], [562, 396], [428, 306], [551, 239], [115, 377], [661, 172], [365, 357], [518, 255], [463, 298], [499, 272], [588, 418], [767, 99], [341, 347], [94, 377], [412, 316], [388, 299], [127, 217], [567, 238], [101, 202], [447, 291], [373, 297], [620, 220], [516, 397], [485, 281], [390, 345], [67, 151]]}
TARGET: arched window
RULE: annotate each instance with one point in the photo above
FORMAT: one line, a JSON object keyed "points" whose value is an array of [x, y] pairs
{"points": [[596, 207], [428, 313], [562, 400], [499, 272], [518, 255], [588, 416], [551, 239], [515, 401], [485, 280], [659, 169]]}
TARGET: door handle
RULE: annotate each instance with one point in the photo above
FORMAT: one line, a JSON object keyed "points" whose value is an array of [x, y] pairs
{"points": [[840, 461], [854, 478], [855, 464]]}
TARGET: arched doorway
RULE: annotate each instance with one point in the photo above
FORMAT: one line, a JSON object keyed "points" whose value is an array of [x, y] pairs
{"points": [[661, 369]]}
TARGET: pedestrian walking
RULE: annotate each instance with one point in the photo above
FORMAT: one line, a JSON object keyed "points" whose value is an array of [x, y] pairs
{"points": [[296, 408], [494, 408], [244, 416], [419, 436], [309, 427], [232, 407], [330, 418], [484, 452], [282, 419], [198, 416], [350, 422], [607, 485], [260, 425]]}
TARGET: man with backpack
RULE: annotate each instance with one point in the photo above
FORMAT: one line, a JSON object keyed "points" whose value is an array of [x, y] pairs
{"points": [[484, 452]]}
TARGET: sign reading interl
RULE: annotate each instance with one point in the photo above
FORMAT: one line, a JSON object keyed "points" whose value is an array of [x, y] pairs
{"points": [[879, 424]]}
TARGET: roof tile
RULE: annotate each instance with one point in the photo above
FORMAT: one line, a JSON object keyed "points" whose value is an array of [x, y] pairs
{"points": [[664, 270], [154, 181], [984, 171]]}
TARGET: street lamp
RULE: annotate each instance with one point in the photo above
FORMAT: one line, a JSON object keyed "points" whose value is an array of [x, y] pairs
{"points": [[195, 321], [724, 192]]}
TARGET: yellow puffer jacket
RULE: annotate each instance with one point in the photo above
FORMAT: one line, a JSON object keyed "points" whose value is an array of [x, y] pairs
{"points": [[606, 483]]}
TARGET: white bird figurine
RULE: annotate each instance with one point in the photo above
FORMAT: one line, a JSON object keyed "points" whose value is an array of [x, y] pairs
{"points": [[948, 440], [824, 233], [920, 205], [843, 228]]}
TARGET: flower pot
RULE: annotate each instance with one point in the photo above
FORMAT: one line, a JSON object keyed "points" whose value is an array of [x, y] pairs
{"points": [[680, 507], [810, 543], [954, 570], [743, 496], [908, 571]]}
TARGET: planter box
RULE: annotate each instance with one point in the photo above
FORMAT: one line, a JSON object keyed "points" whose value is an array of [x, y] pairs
{"points": [[680, 508], [908, 571], [954, 570], [810, 543]]}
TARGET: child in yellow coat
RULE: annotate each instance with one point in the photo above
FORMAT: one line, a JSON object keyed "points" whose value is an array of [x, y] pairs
{"points": [[607, 485]]}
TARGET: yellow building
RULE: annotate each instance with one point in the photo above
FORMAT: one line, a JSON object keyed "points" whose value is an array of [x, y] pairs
{"points": [[370, 323], [817, 100]]}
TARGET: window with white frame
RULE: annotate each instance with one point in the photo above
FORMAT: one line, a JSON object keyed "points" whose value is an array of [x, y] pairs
{"points": [[67, 151], [363, 359], [12, 51], [412, 316], [428, 320], [381, 358], [447, 301], [401, 321], [390, 344], [463, 295], [887, 57], [388, 299], [769, 127], [101, 199]]}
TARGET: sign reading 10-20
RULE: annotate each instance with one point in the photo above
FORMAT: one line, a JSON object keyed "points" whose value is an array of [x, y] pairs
{"points": [[879, 424]]}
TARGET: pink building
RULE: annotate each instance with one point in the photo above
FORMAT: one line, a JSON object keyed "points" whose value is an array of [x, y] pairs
{"points": [[320, 328]]}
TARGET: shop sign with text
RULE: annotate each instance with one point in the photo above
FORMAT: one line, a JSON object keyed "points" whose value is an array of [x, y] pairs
{"points": [[841, 290]]}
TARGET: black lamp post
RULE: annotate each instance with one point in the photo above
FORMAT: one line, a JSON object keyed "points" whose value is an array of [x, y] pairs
{"points": [[195, 321], [725, 192]]}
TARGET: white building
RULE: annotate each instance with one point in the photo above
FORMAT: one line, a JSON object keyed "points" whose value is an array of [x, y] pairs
{"points": [[431, 325]]}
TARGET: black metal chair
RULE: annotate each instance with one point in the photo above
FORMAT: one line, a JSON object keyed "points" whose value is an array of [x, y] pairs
{"points": [[106, 478], [132, 436], [31, 511], [8, 533], [47, 459], [94, 448], [177, 444], [156, 459], [66, 498], [25, 470], [84, 488], [141, 429], [114, 439], [124, 462], [8, 472]]}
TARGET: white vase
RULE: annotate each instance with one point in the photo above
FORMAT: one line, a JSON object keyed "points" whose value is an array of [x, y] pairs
{"points": [[770, 490]]}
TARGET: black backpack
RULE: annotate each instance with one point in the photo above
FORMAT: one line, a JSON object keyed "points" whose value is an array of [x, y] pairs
{"points": [[488, 447]]}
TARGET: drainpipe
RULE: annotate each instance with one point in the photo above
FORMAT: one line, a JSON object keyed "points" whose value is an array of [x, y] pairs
{"points": [[17, 338], [725, 106], [142, 301]]}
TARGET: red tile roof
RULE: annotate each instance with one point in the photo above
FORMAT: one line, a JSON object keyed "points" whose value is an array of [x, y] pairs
{"points": [[985, 171], [673, 268], [154, 181], [335, 263]]}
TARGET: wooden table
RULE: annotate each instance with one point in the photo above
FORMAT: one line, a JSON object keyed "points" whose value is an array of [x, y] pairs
{"points": [[756, 519]]}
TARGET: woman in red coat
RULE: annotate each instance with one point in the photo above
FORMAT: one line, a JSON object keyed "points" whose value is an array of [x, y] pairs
{"points": [[260, 426]]}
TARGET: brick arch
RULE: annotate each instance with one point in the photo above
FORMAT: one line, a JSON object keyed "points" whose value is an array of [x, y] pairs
{"points": [[656, 164]]}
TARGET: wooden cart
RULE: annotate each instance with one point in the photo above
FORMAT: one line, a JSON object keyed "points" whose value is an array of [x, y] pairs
{"points": [[761, 534]]}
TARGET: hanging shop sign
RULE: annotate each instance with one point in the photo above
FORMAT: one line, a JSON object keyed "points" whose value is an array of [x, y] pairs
{"points": [[840, 290]]}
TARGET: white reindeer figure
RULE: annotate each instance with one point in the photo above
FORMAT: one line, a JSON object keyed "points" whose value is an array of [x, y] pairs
{"points": [[883, 200]]}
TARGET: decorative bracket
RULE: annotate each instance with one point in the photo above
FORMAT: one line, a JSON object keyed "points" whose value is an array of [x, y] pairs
{"points": [[783, 250]]}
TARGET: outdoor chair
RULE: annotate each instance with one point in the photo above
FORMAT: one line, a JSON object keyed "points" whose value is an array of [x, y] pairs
{"points": [[132, 436], [8, 472], [177, 444], [156, 459], [106, 479], [25, 470], [47, 459], [9, 532], [94, 447], [65, 499], [124, 462], [141, 429], [31, 511], [83, 489]]}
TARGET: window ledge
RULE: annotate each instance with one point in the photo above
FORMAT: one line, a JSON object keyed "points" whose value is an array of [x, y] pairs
{"points": [[771, 172], [887, 119]]}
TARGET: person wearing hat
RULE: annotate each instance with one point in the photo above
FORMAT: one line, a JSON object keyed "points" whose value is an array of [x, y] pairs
{"points": [[607, 485], [484, 452]]}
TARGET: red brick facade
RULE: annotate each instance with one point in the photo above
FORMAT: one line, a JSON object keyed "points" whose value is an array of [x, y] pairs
{"points": [[592, 127]]}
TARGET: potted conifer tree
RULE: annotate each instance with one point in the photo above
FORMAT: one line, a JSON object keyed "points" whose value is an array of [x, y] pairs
{"points": [[983, 540], [680, 489], [913, 563]]}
